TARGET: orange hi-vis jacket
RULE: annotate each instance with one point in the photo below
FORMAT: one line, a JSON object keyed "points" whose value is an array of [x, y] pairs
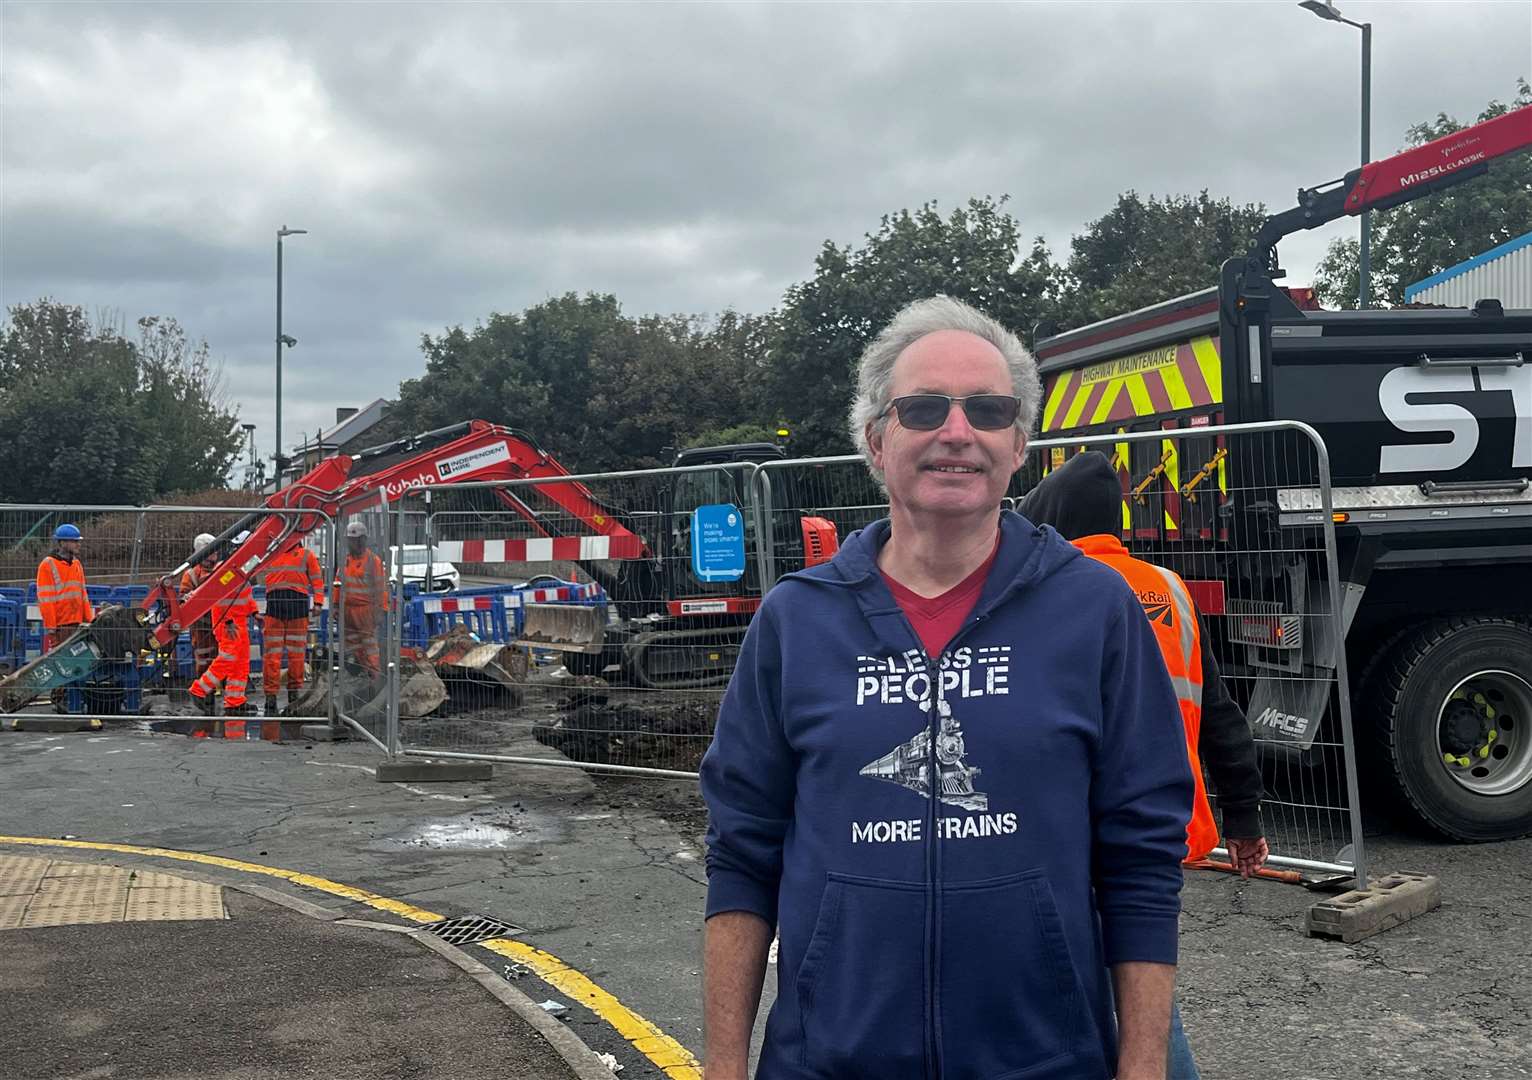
{"points": [[194, 576], [61, 598], [1168, 606], [366, 586], [297, 570], [234, 610]]}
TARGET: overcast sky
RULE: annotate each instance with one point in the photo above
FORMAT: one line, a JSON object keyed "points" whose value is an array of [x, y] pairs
{"points": [[451, 160]]}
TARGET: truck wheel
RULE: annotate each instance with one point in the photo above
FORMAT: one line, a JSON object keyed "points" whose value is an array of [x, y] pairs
{"points": [[1452, 702]]}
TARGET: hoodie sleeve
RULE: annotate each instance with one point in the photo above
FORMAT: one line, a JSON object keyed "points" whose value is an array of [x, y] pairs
{"points": [[748, 778], [1227, 751], [1141, 796]]}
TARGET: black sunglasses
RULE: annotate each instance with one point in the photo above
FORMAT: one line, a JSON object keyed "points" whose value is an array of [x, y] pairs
{"points": [[927, 412]]}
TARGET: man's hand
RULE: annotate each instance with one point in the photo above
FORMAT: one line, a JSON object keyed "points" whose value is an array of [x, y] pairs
{"points": [[734, 946], [1248, 856]]}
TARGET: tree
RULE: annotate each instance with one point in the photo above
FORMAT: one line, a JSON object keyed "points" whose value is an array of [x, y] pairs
{"points": [[92, 417], [182, 395], [973, 254], [1416, 239], [672, 381], [1144, 251], [598, 389], [529, 370]]}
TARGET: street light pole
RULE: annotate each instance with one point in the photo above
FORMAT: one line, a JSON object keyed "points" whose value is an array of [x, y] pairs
{"points": [[1327, 10], [1364, 261], [282, 339]]}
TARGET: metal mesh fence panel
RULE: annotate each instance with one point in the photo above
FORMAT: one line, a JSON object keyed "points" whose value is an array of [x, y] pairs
{"points": [[137, 663], [794, 497], [568, 620], [565, 620], [1204, 503]]}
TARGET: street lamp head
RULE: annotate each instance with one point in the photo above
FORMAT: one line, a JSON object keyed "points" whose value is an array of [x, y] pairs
{"points": [[1323, 8], [285, 231], [288, 340], [248, 427]]}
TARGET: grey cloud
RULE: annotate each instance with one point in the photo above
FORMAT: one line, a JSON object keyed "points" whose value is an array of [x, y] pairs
{"points": [[452, 160]]}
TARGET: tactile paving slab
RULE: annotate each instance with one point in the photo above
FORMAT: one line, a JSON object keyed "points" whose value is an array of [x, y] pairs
{"points": [[19, 877], [46, 892], [189, 900]]}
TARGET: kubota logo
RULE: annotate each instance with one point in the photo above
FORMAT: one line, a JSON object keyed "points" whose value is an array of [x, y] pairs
{"points": [[394, 488]]}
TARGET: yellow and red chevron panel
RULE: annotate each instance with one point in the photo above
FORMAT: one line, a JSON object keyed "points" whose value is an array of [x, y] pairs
{"points": [[1165, 379]]}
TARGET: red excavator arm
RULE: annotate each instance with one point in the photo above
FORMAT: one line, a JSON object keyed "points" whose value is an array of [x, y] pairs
{"points": [[346, 483], [1418, 171]]}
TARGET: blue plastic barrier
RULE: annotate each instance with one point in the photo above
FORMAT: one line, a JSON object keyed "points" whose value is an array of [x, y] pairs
{"points": [[493, 614], [13, 633]]}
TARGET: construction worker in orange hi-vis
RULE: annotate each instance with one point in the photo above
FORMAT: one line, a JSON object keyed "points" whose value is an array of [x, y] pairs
{"points": [[231, 669], [204, 643], [61, 598], [293, 584], [366, 585]]}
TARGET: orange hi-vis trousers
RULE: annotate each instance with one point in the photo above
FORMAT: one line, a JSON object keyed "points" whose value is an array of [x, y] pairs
{"points": [[231, 668], [284, 642]]}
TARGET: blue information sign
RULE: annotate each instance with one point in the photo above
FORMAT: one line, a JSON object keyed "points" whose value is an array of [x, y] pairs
{"points": [[718, 543]]}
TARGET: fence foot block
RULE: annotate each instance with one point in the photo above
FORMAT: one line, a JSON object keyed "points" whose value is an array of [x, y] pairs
{"points": [[1383, 905], [416, 772], [321, 733], [54, 724]]}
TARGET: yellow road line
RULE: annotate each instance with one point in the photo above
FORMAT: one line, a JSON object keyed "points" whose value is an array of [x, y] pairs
{"points": [[668, 1055]]}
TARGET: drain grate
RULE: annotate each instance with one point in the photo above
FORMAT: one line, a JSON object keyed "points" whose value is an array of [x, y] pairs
{"points": [[471, 928]]}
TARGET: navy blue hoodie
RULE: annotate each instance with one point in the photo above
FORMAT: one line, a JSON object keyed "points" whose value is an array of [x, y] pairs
{"points": [[965, 937]]}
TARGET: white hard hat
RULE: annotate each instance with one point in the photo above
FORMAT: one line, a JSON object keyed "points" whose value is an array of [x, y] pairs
{"points": [[202, 541], [356, 528]]}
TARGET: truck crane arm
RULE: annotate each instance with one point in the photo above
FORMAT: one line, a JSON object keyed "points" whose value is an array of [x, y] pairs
{"points": [[1379, 185]]}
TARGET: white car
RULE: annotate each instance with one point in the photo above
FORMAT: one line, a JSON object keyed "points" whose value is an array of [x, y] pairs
{"points": [[444, 575]]}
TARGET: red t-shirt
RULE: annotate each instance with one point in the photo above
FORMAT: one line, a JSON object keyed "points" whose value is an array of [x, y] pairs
{"points": [[937, 619]]}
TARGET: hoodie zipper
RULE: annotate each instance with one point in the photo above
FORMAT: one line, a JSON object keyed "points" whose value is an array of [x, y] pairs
{"points": [[933, 844]]}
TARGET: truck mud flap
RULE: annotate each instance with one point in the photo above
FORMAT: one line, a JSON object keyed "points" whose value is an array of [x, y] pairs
{"points": [[1286, 713]]}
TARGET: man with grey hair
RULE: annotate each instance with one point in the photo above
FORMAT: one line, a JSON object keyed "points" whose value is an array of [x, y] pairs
{"points": [[949, 769]]}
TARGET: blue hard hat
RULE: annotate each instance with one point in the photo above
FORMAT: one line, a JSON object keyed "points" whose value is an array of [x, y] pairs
{"points": [[67, 532]]}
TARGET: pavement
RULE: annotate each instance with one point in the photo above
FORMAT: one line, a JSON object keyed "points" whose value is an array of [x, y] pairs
{"points": [[118, 972], [604, 876]]}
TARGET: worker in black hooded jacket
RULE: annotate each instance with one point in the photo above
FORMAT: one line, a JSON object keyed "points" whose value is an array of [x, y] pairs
{"points": [[1083, 497]]}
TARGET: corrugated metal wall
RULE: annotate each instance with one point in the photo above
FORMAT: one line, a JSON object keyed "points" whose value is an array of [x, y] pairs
{"points": [[1507, 279]]}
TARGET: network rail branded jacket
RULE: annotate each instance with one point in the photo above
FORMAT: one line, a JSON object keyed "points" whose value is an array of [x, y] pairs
{"points": [[953, 849]]}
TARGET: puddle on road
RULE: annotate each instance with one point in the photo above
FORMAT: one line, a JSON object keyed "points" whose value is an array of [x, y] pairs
{"points": [[479, 830]]}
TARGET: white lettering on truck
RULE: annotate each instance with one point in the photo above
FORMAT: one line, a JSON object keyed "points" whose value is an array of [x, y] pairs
{"points": [[1433, 417]]}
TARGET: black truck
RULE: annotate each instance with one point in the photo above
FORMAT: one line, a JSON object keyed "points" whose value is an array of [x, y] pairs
{"points": [[1426, 414]]}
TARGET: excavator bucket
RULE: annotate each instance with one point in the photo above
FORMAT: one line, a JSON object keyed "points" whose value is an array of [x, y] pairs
{"points": [[567, 627], [116, 633]]}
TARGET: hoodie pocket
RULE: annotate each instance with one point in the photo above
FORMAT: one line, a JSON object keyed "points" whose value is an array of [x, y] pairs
{"points": [[861, 986], [1010, 1003]]}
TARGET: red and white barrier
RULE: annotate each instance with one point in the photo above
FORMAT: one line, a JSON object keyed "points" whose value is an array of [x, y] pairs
{"points": [[541, 549]]}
